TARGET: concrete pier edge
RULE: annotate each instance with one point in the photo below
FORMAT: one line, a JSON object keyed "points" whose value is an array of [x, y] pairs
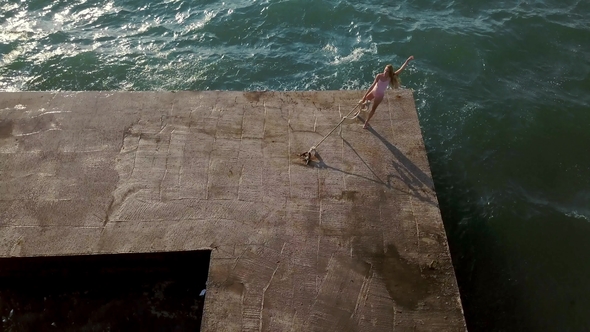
{"points": [[353, 241]]}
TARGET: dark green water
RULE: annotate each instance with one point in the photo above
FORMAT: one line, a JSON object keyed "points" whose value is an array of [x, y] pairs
{"points": [[502, 90]]}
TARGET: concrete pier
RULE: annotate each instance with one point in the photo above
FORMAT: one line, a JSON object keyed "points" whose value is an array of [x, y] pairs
{"points": [[352, 242]]}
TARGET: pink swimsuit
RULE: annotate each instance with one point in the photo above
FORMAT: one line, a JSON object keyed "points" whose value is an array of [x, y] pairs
{"points": [[379, 89]]}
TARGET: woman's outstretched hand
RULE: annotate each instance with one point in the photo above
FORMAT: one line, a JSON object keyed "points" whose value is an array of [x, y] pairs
{"points": [[411, 58]]}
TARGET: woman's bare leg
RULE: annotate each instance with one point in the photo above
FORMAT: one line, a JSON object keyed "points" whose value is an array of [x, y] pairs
{"points": [[376, 103], [370, 97]]}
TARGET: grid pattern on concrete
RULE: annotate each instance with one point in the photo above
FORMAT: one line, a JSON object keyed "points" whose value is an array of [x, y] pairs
{"points": [[354, 241]]}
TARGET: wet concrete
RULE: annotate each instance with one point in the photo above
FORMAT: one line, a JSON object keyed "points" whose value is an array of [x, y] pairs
{"points": [[353, 241]]}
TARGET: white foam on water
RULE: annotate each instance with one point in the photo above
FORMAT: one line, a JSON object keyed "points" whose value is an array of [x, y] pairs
{"points": [[355, 55]]}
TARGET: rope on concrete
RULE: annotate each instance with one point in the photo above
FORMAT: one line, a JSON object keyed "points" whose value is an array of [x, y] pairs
{"points": [[346, 117]]}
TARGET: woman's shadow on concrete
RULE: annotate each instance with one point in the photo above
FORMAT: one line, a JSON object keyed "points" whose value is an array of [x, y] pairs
{"points": [[417, 182]]}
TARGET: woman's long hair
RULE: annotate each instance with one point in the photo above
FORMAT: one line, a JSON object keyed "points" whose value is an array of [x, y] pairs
{"points": [[394, 79]]}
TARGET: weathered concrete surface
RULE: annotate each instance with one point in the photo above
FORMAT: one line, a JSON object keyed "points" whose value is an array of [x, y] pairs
{"points": [[353, 242]]}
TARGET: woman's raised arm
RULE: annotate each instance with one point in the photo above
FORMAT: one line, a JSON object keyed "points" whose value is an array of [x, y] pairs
{"points": [[404, 65]]}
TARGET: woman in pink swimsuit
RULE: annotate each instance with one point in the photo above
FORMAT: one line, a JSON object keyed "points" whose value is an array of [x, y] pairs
{"points": [[377, 90]]}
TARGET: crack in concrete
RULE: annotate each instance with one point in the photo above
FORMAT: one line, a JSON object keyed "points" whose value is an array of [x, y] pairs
{"points": [[118, 201], [240, 180], [108, 212], [135, 159], [363, 292], [289, 153], [165, 167], [268, 285], [264, 121]]}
